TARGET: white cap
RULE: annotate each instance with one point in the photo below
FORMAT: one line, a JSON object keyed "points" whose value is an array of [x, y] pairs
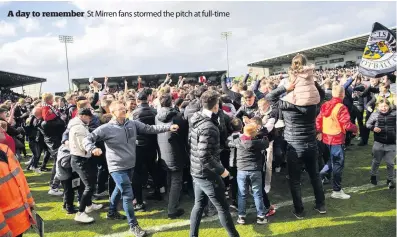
{"points": [[91, 79]]}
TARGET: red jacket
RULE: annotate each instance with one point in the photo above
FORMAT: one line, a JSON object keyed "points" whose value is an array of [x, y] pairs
{"points": [[47, 113], [343, 118]]}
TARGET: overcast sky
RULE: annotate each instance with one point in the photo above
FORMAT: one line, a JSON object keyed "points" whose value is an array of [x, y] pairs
{"points": [[122, 46]]}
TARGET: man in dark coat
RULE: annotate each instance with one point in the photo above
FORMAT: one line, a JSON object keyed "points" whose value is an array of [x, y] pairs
{"points": [[300, 134], [173, 148], [146, 151], [206, 168]]}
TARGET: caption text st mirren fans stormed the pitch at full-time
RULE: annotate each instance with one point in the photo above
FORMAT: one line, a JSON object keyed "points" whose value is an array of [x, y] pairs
{"points": [[121, 13]]}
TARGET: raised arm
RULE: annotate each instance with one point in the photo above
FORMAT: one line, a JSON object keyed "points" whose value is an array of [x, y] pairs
{"points": [[223, 84], [246, 78]]}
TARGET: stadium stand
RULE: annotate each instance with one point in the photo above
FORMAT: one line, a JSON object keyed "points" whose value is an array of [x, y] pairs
{"points": [[9, 80], [151, 80], [345, 53]]}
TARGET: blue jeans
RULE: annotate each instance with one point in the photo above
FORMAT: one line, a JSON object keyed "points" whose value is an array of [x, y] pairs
{"points": [[336, 164], [215, 190], [123, 189], [244, 179]]}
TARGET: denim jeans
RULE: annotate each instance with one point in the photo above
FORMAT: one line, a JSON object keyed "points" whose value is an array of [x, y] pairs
{"points": [[36, 153], [297, 155], [215, 190], [244, 179], [123, 189], [336, 164]]}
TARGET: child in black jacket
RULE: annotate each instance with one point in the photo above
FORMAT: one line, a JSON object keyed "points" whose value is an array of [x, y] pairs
{"points": [[249, 171], [262, 132], [383, 123]]}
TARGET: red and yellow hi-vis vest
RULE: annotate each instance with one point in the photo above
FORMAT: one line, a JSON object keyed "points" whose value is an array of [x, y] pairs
{"points": [[15, 197], [331, 125]]}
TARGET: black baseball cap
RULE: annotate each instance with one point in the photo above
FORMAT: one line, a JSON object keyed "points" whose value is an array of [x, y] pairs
{"points": [[85, 111]]}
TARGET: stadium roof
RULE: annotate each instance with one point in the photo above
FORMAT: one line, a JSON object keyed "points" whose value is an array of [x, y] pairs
{"points": [[12, 80], [151, 77], [337, 47]]}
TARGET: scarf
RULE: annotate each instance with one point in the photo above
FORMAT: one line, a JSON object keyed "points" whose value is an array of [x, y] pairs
{"points": [[53, 109]]}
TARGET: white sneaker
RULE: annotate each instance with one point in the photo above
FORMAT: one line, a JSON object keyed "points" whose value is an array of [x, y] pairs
{"points": [[93, 207], [28, 162], [37, 170], [278, 169], [339, 195], [55, 192], [162, 190], [83, 217], [279, 124]]}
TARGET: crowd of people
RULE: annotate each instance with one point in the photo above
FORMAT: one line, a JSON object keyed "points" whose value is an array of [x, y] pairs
{"points": [[7, 95], [216, 143]]}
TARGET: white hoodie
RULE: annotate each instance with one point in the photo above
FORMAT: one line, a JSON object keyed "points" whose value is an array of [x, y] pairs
{"points": [[78, 131]]}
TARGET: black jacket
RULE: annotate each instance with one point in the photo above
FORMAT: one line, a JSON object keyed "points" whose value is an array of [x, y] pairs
{"points": [[250, 156], [173, 145], [369, 93], [145, 114], [299, 120], [53, 128], [224, 129], [20, 114], [204, 147], [358, 101], [328, 94], [387, 123], [32, 129]]}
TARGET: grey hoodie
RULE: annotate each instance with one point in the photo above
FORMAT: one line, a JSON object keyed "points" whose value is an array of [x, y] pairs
{"points": [[120, 141]]}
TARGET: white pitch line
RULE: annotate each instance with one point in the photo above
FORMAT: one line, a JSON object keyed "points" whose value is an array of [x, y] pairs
{"points": [[169, 226]]}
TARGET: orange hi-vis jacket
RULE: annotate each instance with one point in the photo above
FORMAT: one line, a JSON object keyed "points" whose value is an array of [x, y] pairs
{"points": [[334, 121], [15, 197], [331, 124]]}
